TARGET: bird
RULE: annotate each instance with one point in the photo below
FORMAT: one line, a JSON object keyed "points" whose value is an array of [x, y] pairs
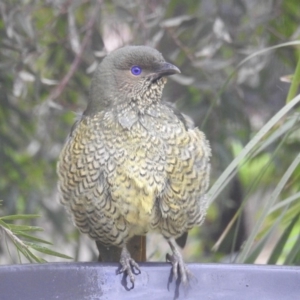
{"points": [[133, 163]]}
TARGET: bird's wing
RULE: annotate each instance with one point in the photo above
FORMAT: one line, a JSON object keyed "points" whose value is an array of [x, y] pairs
{"points": [[183, 202], [186, 120], [188, 124]]}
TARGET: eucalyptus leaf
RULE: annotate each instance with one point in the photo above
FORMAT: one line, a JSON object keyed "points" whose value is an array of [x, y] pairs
{"points": [[177, 21]]}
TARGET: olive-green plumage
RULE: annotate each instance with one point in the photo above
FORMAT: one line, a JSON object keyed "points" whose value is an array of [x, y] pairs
{"points": [[133, 163]]}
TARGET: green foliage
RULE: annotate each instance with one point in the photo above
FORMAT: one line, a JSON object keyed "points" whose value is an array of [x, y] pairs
{"points": [[23, 240], [250, 251]]}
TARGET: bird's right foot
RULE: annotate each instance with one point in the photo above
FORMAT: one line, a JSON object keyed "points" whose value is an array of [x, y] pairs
{"points": [[128, 266]]}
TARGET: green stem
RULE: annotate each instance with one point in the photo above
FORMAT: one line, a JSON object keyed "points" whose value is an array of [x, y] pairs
{"points": [[295, 83]]}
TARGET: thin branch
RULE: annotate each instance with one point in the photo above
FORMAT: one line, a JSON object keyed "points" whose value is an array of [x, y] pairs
{"points": [[185, 49], [14, 238], [78, 58]]}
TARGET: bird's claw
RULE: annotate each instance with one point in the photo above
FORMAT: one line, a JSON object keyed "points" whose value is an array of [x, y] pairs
{"points": [[128, 267], [174, 262], [178, 266]]}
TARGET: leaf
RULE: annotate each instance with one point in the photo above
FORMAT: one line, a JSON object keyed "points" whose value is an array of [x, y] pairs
{"points": [[282, 241], [23, 250], [295, 83], [287, 78], [47, 251], [267, 49], [19, 217], [177, 21], [220, 30], [293, 253], [260, 52], [257, 249], [3, 224], [219, 185], [14, 227], [285, 202], [267, 208], [183, 80], [278, 133], [31, 237]]}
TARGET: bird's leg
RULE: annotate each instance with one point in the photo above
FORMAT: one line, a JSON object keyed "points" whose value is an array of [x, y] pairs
{"points": [[178, 264], [128, 265]]}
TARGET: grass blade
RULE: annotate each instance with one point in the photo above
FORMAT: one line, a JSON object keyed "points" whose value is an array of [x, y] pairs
{"points": [[218, 186], [282, 241], [273, 198]]}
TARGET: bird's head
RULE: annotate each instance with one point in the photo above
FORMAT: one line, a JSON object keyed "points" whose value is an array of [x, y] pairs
{"points": [[130, 74]]}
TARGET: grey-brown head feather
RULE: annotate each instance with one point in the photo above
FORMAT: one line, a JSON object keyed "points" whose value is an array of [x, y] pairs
{"points": [[113, 80]]}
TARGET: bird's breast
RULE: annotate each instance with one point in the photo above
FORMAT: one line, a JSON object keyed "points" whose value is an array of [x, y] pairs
{"points": [[154, 171], [139, 176]]}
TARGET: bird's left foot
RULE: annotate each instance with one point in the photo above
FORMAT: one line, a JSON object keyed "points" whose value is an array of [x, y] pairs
{"points": [[128, 266], [178, 266]]}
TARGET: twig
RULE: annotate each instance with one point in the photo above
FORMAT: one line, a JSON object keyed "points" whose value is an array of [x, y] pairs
{"points": [[78, 58], [187, 52], [13, 237]]}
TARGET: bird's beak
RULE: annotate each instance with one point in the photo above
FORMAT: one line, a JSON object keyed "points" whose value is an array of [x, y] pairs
{"points": [[166, 69], [163, 69]]}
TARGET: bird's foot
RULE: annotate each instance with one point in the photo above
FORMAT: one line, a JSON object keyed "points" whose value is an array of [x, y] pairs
{"points": [[179, 271], [128, 266], [185, 275]]}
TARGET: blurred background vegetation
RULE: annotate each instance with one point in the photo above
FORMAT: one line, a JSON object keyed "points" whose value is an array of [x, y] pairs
{"points": [[231, 84]]}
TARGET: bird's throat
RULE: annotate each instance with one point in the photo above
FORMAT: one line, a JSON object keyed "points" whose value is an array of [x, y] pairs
{"points": [[150, 95], [140, 103]]}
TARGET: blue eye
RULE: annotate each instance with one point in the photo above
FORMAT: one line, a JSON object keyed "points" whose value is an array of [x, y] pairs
{"points": [[136, 70]]}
